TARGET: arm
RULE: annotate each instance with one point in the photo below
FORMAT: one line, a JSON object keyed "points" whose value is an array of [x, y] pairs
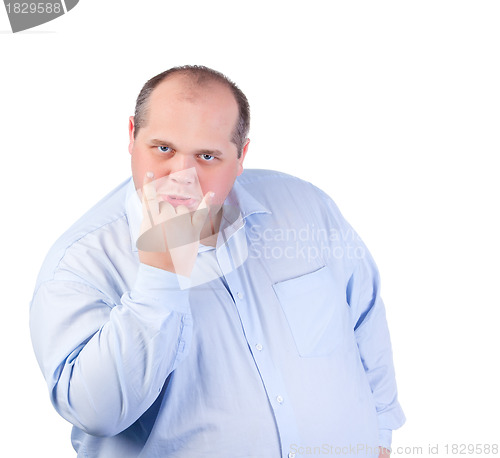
{"points": [[372, 336], [105, 364], [369, 324], [105, 361]]}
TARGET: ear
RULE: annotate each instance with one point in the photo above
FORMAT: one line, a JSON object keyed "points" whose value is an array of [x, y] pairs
{"points": [[242, 157], [131, 130]]}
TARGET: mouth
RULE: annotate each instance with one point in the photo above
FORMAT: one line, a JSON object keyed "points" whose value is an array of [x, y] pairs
{"points": [[177, 199]]}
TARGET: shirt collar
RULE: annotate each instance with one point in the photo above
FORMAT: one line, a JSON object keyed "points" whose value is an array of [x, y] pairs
{"points": [[238, 197], [244, 201]]}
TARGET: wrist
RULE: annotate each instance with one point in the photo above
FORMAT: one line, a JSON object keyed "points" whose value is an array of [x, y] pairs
{"points": [[159, 260]]}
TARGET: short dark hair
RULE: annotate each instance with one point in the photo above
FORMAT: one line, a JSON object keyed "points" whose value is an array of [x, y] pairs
{"points": [[199, 75]]}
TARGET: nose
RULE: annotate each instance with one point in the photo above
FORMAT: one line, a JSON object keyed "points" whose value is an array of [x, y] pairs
{"points": [[184, 177], [182, 170]]}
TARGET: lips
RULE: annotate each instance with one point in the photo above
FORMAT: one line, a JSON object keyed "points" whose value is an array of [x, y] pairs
{"points": [[176, 200], [176, 197]]}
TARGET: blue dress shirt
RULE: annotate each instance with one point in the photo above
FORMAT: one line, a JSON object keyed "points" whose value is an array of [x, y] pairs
{"points": [[277, 347]]}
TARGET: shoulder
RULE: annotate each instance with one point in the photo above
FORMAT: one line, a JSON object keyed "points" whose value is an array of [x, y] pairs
{"points": [[253, 177], [277, 188], [106, 222]]}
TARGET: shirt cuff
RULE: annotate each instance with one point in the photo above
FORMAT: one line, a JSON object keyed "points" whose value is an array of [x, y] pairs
{"points": [[385, 438]]}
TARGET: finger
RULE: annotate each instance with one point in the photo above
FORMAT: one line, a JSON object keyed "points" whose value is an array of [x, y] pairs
{"points": [[206, 201], [149, 187], [182, 210], [149, 198], [167, 210], [201, 213]]}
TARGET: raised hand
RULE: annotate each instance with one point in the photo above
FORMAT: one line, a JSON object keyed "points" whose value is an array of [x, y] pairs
{"points": [[170, 234]]}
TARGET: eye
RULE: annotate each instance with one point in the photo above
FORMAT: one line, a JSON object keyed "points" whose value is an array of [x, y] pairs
{"points": [[207, 157], [164, 149]]}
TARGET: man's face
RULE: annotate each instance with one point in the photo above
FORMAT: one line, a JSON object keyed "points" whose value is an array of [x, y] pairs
{"points": [[186, 142]]}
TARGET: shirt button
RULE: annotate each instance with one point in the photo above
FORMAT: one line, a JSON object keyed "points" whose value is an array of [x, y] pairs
{"points": [[240, 295], [291, 455], [259, 347], [280, 399]]}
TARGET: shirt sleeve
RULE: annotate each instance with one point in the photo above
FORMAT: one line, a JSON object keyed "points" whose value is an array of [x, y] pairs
{"points": [[105, 364], [385, 438], [372, 336], [370, 324]]}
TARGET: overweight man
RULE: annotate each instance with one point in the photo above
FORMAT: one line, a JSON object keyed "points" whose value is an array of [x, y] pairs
{"points": [[202, 311]]}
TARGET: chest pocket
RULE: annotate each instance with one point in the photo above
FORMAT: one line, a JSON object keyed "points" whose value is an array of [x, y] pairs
{"points": [[316, 311]]}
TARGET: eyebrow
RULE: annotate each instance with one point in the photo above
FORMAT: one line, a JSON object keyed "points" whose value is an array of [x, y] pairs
{"points": [[211, 152]]}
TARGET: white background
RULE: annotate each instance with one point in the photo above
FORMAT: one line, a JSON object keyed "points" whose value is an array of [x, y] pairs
{"points": [[391, 107]]}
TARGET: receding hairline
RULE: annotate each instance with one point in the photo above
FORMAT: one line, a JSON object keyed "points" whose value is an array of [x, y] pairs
{"points": [[196, 78], [193, 89]]}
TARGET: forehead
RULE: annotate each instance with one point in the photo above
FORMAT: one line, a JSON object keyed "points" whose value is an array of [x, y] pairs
{"points": [[182, 98]]}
